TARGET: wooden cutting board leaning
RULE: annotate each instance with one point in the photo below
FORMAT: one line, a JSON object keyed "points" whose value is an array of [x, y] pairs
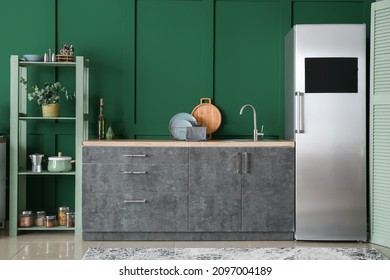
{"points": [[208, 115]]}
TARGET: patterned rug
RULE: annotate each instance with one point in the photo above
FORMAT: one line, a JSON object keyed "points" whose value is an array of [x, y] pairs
{"points": [[233, 254]]}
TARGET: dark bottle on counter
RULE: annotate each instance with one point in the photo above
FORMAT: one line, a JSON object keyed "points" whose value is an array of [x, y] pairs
{"points": [[101, 122]]}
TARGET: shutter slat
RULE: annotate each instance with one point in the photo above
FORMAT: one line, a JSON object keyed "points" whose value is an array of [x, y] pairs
{"points": [[380, 124]]}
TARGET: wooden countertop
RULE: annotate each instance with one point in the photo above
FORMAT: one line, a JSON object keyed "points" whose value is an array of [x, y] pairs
{"points": [[175, 143]]}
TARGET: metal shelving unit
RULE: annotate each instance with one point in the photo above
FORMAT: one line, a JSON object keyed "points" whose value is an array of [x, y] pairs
{"points": [[18, 137]]}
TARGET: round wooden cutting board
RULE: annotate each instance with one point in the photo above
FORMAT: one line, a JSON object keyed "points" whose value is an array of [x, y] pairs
{"points": [[206, 114]]}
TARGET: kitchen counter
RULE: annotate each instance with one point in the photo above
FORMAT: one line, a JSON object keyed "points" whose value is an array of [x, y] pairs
{"points": [[175, 143], [179, 190]]}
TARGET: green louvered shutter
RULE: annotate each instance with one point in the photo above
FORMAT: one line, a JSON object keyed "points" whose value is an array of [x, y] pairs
{"points": [[380, 123]]}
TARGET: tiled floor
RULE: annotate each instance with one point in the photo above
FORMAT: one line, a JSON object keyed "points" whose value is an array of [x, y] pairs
{"points": [[67, 246]]}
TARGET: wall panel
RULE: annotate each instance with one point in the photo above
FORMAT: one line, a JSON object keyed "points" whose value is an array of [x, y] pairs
{"points": [[26, 27], [328, 11], [168, 62], [102, 30], [247, 64]]}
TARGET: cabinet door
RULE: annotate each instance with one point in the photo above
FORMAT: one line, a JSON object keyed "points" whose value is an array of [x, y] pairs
{"points": [[268, 189], [215, 189]]}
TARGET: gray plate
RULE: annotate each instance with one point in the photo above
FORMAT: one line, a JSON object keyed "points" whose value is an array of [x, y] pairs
{"points": [[183, 116], [178, 129]]}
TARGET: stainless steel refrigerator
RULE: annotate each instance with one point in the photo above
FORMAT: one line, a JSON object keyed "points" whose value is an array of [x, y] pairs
{"points": [[325, 114]]}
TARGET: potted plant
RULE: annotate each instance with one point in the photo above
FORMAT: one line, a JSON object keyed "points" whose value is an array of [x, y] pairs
{"points": [[48, 97]]}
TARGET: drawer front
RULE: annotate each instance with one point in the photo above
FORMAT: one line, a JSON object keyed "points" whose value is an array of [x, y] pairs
{"points": [[135, 155], [122, 178], [141, 212]]}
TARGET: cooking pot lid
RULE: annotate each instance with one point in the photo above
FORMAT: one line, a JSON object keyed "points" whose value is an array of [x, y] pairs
{"points": [[60, 157]]}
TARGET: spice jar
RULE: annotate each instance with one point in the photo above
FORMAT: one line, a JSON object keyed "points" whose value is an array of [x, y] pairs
{"points": [[50, 221], [40, 219], [62, 215], [69, 219], [26, 218]]}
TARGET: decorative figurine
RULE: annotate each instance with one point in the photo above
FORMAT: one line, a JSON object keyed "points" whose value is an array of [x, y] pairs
{"points": [[71, 50], [65, 49]]}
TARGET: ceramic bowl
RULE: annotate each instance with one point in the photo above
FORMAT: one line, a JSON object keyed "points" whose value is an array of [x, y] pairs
{"points": [[33, 57]]}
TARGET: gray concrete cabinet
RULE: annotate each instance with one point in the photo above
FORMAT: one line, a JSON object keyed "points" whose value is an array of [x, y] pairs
{"points": [[188, 193], [129, 189], [268, 189], [248, 189], [215, 190]]}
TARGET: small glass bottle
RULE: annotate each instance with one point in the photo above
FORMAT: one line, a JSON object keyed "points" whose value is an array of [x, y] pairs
{"points": [[69, 219], [62, 215], [110, 133], [50, 221], [101, 122], [26, 218], [40, 218]]}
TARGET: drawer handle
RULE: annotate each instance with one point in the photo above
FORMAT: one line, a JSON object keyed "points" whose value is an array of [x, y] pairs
{"points": [[134, 172], [135, 155], [135, 201]]}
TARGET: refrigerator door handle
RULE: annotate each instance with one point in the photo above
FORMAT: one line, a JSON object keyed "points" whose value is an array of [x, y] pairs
{"points": [[298, 112]]}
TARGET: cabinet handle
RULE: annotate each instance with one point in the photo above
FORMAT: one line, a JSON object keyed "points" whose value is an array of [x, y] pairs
{"points": [[140, 155], [135, 201], [246, 162], [134, 172], [238, 163]]}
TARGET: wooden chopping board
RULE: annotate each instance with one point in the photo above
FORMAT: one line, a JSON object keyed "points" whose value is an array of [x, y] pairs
{"points": [[208, 115]]}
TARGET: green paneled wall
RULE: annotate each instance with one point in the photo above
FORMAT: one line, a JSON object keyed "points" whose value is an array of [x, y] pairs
{"points": [[151, 59]]}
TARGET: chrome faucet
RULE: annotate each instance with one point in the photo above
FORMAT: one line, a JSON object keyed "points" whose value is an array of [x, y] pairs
{"points": [[255, 132]]}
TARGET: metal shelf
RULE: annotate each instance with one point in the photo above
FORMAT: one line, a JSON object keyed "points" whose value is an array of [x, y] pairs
{"points": [[47, 173], [48, 64], [47, 228], [19, 142], [47, 118]]}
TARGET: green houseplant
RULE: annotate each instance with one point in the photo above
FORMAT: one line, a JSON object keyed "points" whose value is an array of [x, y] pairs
{"points": [[48, 97]]}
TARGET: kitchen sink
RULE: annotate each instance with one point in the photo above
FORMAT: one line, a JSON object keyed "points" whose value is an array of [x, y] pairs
{"points": [[236, 140]]}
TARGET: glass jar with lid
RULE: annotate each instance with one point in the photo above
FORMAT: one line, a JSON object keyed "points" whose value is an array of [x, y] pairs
{"points": [[69, 219], [50, 221], [26, 218], [62, 215], [40, 218]]}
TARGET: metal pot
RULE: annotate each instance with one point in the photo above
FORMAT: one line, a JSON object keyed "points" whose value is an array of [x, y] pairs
{"points": [[60, 163]]}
